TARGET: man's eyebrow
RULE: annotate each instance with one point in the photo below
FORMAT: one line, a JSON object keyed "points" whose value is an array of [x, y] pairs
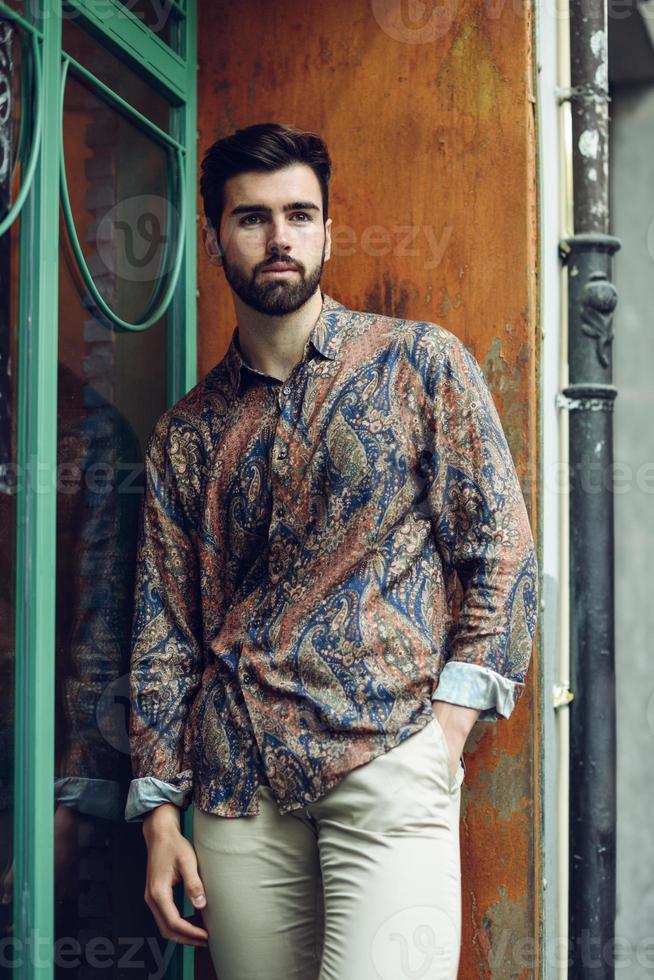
{"points": [[295, 206]]}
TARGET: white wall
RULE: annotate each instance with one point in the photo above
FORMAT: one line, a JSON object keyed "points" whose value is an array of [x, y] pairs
{"points": [[632, 210]]}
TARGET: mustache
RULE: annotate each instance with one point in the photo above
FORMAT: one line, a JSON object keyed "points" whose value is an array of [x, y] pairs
{"points": [[280, 261]]}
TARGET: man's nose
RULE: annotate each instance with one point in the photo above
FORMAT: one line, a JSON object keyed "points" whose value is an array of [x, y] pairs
{"points": [[278, 240]]}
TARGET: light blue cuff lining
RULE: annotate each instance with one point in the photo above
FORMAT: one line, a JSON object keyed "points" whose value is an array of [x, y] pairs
{"points": [[476, 687], [149, 792], [95, 797]]}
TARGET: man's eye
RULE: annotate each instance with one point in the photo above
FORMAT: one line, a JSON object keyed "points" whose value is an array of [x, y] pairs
{"points": [[302, 214], [246, 219]]}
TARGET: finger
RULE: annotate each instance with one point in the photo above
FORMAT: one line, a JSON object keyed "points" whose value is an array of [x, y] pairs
{"points": [[172, 922], [175, 937]]}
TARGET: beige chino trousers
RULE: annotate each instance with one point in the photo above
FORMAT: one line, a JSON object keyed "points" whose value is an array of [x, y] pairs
{"points": [[363, 884]]}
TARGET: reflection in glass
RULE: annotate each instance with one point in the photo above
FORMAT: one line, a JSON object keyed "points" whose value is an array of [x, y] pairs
{"points": [[10, 112], [120, 183], [111, 390], [9, 312], [160, 16], [115, 73]]}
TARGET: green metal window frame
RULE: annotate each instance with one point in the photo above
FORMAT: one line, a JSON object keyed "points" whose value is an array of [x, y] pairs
{"points": [[43, 186]]}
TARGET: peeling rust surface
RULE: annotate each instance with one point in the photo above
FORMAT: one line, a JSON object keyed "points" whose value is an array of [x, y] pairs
{"points": [[504, 373]]}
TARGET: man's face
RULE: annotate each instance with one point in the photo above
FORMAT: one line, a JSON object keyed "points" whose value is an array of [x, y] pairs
{"points": [[273, 242]]}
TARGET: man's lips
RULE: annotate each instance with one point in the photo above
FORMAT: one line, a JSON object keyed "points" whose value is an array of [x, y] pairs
{"points": [[279, 267]]}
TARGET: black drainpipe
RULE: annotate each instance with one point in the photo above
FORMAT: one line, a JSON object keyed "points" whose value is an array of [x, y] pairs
{"points": [[589, 400]]}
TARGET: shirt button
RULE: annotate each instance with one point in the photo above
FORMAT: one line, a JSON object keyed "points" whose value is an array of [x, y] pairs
{"points": [[286, 390], [280, 512], [281, 454]]}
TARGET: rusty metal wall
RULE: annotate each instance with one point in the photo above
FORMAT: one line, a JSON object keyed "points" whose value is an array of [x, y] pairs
{"points": [[428, 111]]}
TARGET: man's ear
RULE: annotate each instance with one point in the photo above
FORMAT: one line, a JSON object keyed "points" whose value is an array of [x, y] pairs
{"points": [[328, 238], [211, 246]]}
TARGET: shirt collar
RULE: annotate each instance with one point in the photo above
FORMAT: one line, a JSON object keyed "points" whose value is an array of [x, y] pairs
{"points": [[326, 336]]}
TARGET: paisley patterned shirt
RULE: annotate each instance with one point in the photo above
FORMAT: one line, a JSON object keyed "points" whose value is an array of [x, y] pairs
{"points": [[319, 558]]}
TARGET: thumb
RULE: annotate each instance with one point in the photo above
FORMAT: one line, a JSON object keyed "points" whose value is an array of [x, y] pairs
{"points": [[194, 887]]}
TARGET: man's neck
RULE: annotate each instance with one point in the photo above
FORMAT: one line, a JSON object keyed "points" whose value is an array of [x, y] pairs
{"points": [[275, 344]]}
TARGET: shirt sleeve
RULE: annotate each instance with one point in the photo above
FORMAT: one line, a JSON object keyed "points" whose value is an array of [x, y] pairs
{"points": [[95, 797], [484, 536], [149, 792], [93, 618], [476, 687], [166, 654]]}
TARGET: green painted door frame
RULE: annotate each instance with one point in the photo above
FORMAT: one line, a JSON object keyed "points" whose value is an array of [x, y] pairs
{"points": [[173, 73]]}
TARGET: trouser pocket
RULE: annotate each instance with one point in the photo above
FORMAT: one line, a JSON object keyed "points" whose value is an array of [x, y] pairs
{"points": [[455, 780]]}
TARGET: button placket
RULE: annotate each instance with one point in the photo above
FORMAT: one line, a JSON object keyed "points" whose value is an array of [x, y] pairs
{"points": [[283, 479], [284, 394], [280, 454], [279, 497], [278, 474]]}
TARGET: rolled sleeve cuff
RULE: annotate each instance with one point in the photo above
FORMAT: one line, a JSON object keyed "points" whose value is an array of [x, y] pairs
{"points": [[95, 797], [149, 792], [477, 687]]}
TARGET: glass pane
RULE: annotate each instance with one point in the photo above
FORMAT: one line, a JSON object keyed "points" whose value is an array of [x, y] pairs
{"points": [[111, 390], [114, 72], [9, 312], [160, 16], [118, 180], [12, 153]]}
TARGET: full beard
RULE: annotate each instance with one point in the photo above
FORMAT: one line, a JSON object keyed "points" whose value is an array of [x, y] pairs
{"points": [[275, 297]]}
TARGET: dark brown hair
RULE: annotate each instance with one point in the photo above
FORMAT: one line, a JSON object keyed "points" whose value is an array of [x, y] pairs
{"points": [[261, 147]]}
